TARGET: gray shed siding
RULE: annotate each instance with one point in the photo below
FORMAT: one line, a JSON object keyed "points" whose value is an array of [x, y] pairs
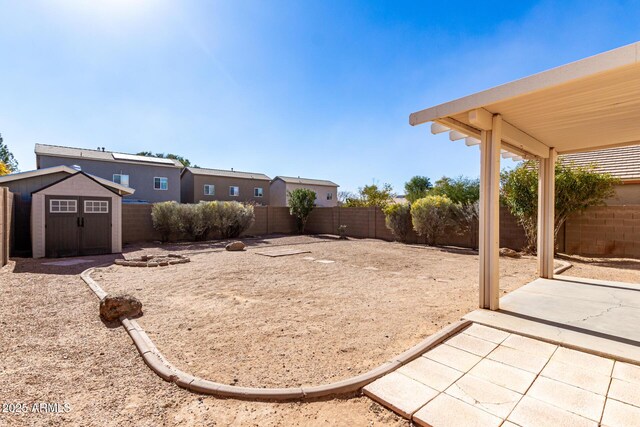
{"points": [[140, 176], [22, 188]]}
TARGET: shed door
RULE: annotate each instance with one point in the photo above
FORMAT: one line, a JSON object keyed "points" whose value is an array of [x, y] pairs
{"points": [[95, 226], [62, 219]]}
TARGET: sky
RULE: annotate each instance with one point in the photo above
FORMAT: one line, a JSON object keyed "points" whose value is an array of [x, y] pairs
{"points": [[318, 89]]}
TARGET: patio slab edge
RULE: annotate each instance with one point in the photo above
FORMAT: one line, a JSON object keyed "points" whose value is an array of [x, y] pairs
{"points": [[164, 369]]}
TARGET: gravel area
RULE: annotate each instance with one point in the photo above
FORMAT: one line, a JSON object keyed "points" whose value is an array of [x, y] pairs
{"points": [[245, 319]]}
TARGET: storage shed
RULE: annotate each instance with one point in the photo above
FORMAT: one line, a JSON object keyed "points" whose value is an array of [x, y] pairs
{"points": [[75, 216]]}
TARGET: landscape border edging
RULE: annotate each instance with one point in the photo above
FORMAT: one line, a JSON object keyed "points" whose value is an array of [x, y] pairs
{"points": [[164, 369]]}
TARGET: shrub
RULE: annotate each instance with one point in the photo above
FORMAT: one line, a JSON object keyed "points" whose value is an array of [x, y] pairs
{"points": [[229, 219], [431, 215], [191, 221], [397, 218], [164, 216], [466, 217], [301, 203]]}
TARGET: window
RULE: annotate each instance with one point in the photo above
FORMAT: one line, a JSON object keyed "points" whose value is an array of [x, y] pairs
{"points": [[63, 206], [209, 190], [121, 179], [160, 183], [257, 192], [96, 206], [234, 191], [329, 196]]}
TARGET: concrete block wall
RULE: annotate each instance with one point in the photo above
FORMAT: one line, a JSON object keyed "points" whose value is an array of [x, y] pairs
{"points": [[604, 231], [136, 224]]}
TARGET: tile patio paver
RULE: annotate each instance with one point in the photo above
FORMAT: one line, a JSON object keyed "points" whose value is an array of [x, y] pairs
{"points": [[445, 410], [474, 345], [625, 392], [567, 397], [531, 412], [400, 393], [519, 359], [503, 375], [627, 372], [485, 395], [428, 372], [529, 345], [574, 357], [620, 414], [577, 376], [486, 333], [453, 357]]}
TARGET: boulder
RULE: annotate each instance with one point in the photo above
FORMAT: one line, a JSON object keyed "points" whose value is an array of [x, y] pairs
{"points": [[112, 307], [510, 253], [235, 246]]}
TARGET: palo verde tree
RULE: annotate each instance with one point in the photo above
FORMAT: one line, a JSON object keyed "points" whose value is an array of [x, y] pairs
{"points": [[462, 190], [7, 159], [417, 188], [431, 216], [577, 188], [301, 203], [371, 195], [397, 218]]}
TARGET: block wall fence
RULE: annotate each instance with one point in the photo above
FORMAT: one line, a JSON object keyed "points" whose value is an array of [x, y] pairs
{"points": [[599, 231]]}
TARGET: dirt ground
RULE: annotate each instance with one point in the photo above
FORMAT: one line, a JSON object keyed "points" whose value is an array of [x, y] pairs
{"points": [[55, 349], [241, 318]]}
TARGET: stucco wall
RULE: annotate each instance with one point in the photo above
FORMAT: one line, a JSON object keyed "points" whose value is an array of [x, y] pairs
{"points": [[627, 194], [79, 186], [140, 176], [279, 190], [222, 185]]}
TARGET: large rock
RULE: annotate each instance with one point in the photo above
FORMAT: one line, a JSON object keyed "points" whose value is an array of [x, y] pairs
{"points": [[112, 307], [510, 253], [235, 246]]}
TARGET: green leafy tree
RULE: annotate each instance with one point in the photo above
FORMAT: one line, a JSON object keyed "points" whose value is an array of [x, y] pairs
{"points": [[459, 190], [397, 218], [577, 188], [371, 195], [431, 216], [301, 203], [6, 158], [417, 188], [186, 162]]}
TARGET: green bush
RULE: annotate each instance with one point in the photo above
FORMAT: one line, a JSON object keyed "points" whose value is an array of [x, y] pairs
{"points": [[397, 218], [430, 216], [301, 203], [191, 221], [229, 219], [165, 219]]}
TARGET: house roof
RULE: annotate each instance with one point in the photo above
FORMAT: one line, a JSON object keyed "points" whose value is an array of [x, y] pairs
{"points": [[621, 162], [586, 105], [306, 181], [105, 156], [228, 173], [119, 189]]}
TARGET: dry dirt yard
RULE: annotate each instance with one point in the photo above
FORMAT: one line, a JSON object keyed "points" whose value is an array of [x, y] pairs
{"points": [[241, 318], [55, 349]]}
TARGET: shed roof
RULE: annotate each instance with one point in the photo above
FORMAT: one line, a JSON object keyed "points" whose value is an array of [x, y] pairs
{"points": [[306, 181], [228, 173], [105, 156], [621, 162], [589, 104], [120, 189]]}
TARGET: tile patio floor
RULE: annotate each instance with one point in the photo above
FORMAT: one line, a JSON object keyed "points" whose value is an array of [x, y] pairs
{"points": [[487, 377]]}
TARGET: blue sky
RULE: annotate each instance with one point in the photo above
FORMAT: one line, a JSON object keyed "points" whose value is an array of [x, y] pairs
{"points": [[320, 89]]}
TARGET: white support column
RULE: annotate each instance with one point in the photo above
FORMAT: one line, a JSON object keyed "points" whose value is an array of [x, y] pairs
{"points": [[546, 214], [489, 232]]}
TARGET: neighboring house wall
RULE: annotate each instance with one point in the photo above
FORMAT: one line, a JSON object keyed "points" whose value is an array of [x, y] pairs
{"points": [[222, 185], [186, 187], [141, 176], [6, 203], [626, 194], [78, 185], [279, 189]]}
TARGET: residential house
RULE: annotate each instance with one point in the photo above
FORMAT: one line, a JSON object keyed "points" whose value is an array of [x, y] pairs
{"points": [[154, 179], [326, 191], [199, 184], [622, 163]]}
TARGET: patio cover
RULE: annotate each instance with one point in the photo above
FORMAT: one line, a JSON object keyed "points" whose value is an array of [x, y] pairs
{"points": [[586, 105]]}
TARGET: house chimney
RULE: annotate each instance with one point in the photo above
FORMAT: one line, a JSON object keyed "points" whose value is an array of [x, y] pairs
{"points": [[231, 169]]}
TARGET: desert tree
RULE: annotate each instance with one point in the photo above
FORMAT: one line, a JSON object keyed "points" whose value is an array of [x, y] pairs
{"points": [[301, 203]]}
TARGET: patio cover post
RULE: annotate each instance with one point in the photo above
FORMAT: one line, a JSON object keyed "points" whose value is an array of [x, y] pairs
{"points": [[489, 221], [546, 213]]}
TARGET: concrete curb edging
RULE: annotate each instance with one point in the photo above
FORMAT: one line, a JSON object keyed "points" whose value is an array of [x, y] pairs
{"points": [[164, 369], [564, 266]]}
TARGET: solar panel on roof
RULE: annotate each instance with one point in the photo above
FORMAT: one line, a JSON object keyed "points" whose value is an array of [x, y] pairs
{"points": [[145, 159]]}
